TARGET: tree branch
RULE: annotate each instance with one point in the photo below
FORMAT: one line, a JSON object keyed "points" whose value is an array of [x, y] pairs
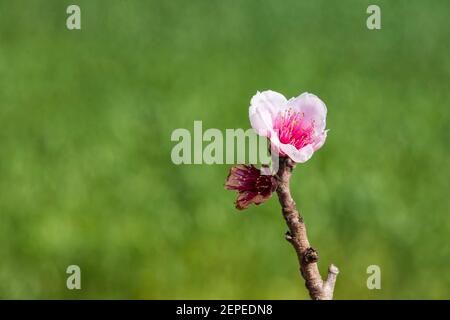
{"points": [[307, 256]]}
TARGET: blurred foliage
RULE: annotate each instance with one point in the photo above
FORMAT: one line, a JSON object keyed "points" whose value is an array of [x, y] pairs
{"points": [[85, 170]]}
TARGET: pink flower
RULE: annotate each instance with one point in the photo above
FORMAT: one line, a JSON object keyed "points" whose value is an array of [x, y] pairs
{"points": [[252, 187], [295, 127]]}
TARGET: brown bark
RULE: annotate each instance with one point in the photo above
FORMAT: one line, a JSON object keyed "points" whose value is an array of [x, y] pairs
{"points": [[307, 256]]}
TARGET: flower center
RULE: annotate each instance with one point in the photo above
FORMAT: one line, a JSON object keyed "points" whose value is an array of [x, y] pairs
{"points": [[292, 129]]}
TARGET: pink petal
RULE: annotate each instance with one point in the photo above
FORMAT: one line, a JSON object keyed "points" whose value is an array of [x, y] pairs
{"points": [[320, 140], [264, 107], [312, 107], [299, 156]]}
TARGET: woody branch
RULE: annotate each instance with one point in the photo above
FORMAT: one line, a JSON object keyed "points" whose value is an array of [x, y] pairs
{"points": [[307, 256]]}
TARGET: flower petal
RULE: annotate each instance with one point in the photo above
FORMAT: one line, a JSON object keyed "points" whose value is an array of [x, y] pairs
{"points": [[312, 107], [275, 142], [244, 199], [299, 156], [264, 107], [320, 140], [242, 177]]}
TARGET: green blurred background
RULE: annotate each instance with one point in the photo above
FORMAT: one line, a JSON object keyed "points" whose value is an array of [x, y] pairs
{"points": [[86, 176]]}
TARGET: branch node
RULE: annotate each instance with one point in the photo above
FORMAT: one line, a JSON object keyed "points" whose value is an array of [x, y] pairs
{"points": [[311, 255], [288, 236]]}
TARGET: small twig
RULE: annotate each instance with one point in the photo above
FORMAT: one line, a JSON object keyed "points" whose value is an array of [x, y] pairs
{"points": [[307, 256]]}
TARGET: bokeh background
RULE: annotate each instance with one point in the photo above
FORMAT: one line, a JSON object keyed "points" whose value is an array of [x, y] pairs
{"points": [[86, 176]]}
